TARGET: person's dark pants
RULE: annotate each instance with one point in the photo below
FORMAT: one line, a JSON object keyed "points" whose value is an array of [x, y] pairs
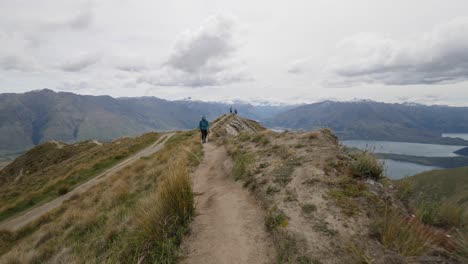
{"points": [[204, 133]]}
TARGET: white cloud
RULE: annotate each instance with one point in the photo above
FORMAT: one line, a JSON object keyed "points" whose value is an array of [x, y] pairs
{"points": [[436, 57], [298, 66], [203, 57], [79, 63], [21, 42]]}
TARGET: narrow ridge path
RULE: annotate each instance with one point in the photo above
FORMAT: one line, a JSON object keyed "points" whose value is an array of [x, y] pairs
{"points": [[18, 221], [229, 227]]}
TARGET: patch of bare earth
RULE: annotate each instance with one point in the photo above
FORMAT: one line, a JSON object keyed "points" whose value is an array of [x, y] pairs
{"points": [[229, 227]]}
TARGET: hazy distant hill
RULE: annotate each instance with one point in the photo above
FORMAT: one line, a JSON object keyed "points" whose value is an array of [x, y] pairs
{"points": [[378, 121], [35, 117]]}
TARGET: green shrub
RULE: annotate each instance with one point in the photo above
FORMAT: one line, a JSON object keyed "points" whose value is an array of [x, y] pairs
{"points": [[366, 165], [272, 189], [275, 219], [309, 208], [63, 189]]}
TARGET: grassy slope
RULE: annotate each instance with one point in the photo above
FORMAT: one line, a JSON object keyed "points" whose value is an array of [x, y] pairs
{"points": [[438, 185], [48, 171], [119, 220]]}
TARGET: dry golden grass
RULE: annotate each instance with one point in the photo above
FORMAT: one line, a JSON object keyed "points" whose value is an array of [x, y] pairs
{"points": [[48, 172], [162, 218], [408, 236], [102, 225]]}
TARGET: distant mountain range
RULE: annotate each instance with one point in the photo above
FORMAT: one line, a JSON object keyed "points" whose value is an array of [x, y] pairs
{"points": [[34, 117], [38, 116], [378, 121]]}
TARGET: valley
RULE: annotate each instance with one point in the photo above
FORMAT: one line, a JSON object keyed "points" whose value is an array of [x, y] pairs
{"points": [[250, 195]]}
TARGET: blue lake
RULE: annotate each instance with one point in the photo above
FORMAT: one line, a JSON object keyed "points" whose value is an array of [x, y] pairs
{"points": [[399, 169], [413, 149]]}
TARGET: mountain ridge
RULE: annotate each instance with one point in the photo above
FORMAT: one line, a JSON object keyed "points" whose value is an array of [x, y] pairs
{"points": [[27, 119]]}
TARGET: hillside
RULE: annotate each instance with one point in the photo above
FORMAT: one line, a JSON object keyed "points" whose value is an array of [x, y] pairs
{"points": [[442, 185], [249, 195], [378, 121], [35, 117], [53, 168]]}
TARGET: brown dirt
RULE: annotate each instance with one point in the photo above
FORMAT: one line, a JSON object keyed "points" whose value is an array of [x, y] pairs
{"points": [[29, 216], [230, 225]]}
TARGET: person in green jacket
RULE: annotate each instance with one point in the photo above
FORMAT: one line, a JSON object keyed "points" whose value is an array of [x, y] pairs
{"points": [[204, 125]]}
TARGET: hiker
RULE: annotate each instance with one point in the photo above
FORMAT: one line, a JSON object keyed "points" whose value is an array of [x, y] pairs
{"points": [[230, 109], [204, 126], [235, 111]]}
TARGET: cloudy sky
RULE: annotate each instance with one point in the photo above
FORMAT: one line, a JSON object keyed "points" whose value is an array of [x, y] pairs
{"points": [[278, 51]]}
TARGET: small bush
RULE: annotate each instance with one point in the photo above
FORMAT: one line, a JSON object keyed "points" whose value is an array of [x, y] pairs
{"points": [[63, 189], [309, 208], [275, 219], [366, 165], [312, 135], [272, 189]]}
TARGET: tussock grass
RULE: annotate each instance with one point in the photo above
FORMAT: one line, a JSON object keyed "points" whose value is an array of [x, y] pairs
{"points": [[446, 214], [366, 165], [308, 208], [329, 134], [404, 190], [275, 219], [461, 250], [452, 215], [121, 220], [242, 163], [163, 218], [407, 236]]}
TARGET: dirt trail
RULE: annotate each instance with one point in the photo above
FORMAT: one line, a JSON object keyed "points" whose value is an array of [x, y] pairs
{"points": [[230, 225], [16, 222]]}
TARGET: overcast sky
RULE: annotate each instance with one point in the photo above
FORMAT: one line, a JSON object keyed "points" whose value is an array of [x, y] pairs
{"points": [[279, 51]]}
